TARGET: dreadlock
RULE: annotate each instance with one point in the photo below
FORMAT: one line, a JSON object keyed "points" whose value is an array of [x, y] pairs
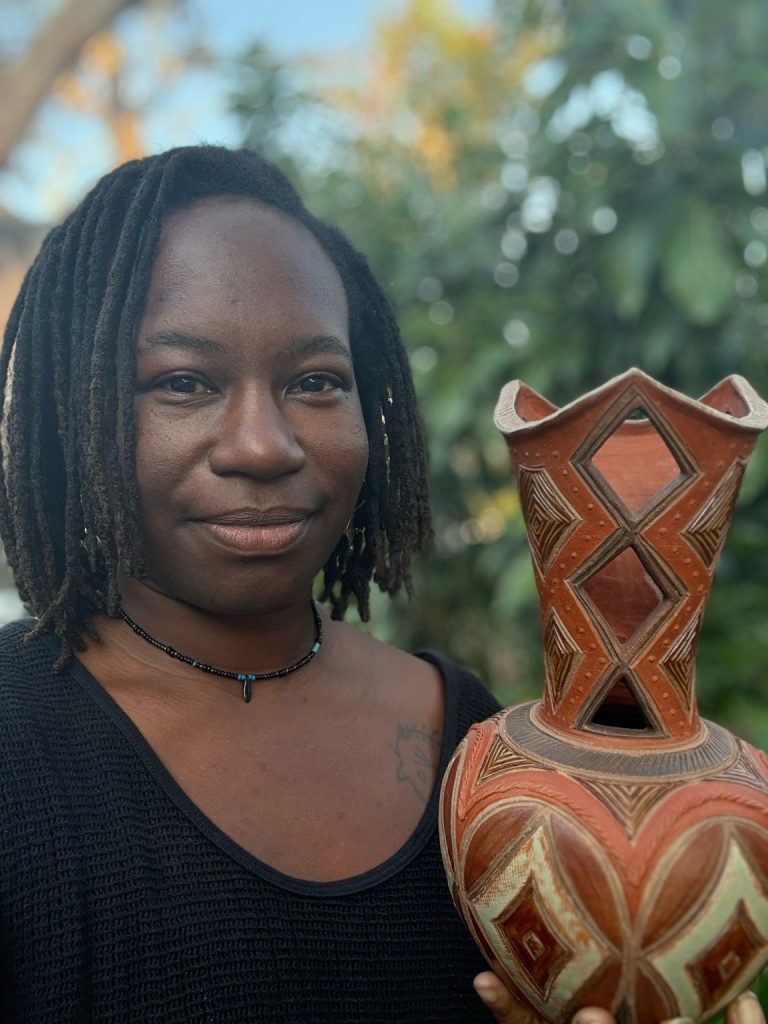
{"points": [[69, 509]]}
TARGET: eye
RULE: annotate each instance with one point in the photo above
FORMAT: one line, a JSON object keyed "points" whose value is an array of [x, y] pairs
{"points": [[184, 384], [317, 382]]}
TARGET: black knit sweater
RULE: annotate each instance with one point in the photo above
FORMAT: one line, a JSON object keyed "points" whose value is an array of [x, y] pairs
{"points": [[121, 902]]}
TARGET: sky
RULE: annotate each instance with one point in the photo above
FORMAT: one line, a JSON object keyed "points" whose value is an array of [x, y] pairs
{"points": [[304, 25], [66, 151]]}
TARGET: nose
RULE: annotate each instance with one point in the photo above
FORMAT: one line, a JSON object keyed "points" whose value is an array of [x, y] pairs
{"points": [[256, 437]]}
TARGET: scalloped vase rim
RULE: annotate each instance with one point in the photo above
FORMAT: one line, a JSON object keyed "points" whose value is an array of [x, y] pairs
{"points": [[508, 419]]}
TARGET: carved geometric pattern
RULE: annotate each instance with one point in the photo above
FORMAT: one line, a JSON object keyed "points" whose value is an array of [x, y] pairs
{"points": [[678, 662], [714, 970], [562, 656], [693, 966], [573, 950], [498, 760], [702, 759], [743, 770], [706, 531], [625, 609], [629, 803], [635, 489], [550, 519], [533, 938], [630, 401]]}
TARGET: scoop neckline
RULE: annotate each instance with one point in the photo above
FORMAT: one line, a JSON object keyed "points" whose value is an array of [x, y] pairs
{"points": [[301, 886]]}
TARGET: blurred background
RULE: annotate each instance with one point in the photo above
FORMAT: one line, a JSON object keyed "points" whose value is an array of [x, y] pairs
{"points": [[553, 190]]}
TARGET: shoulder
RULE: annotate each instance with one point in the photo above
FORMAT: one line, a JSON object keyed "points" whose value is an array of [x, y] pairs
{"points": [[473, 701], [32, 695], [393, 665], [19, 657], [421, 681], [357, 653]]}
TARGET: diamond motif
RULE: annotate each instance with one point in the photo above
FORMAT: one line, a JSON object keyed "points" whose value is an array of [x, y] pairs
{"points": [[698, 970], [554, 922], [550, 519], [624, 593], [532, 937], [641, 441], [562, 656], [678, 662], [706, 531], [717, 967], [660, 463]]}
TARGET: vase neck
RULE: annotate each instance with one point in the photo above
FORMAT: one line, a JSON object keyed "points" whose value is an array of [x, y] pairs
{"points": [[627, 496]]}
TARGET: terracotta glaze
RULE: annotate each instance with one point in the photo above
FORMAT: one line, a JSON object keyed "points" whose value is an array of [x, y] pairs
{"points": [[605, 845]]}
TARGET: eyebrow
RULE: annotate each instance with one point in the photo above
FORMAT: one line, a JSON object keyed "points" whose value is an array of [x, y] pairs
{"points": [[177, 339], [317, 344]]}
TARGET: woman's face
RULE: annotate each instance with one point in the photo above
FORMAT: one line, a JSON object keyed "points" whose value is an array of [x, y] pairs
{"points": [[251, 447]]}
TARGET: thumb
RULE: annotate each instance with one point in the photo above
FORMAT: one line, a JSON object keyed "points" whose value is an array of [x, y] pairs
{"points": [[500, 1001]]}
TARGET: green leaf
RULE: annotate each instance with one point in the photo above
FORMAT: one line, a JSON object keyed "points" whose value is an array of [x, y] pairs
{"points": [[629, 262], [697, 268]]}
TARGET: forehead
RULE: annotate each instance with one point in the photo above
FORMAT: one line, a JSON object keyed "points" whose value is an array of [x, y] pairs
{"points": [[243, 256]]}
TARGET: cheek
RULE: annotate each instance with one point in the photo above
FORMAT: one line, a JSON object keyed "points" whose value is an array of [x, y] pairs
{"points": [[163, 453], [340, 453], [351, 449]]}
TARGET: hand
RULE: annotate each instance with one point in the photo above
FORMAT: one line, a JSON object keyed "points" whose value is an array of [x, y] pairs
{"points": [[507, 1010]]}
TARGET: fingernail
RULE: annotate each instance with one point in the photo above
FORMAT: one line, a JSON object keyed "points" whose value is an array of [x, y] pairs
{"points": [[748, 1009], [488, 995]]}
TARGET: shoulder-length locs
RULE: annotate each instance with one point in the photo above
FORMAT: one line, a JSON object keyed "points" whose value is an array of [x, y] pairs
{"points": [[69, 509]]}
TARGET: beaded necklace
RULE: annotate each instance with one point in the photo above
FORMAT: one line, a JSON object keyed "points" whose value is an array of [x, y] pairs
{"points": [[246, 678]]}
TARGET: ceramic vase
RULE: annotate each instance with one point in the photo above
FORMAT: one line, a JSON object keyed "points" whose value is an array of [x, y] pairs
{"points": [[605, 845]]}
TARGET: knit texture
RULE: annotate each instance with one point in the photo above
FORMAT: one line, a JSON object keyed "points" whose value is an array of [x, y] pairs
{"points": [[121, 903]]}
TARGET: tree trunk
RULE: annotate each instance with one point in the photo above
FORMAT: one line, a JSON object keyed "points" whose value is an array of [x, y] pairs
{"points": [[26, 82]]}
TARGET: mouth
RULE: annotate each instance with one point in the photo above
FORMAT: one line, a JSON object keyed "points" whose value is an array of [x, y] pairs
{"points": [[255, 531]]}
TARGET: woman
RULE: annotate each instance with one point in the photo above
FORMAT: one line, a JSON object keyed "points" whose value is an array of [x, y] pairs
{"points": [[208, 403]]}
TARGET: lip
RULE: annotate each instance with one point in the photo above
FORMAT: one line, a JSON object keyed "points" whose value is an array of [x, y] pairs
{"points": [[251, 515], [254, 531]]}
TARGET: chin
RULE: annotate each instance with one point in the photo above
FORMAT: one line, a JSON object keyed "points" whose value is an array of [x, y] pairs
{"points": [[259, 594]]}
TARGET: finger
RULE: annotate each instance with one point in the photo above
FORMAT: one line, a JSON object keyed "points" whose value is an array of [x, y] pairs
{"points": [[500, 1001], [745, 1010], [594, 1015]]}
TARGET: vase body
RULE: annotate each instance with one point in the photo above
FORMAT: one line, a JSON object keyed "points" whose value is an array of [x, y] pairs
{"points": [[605, 845]]}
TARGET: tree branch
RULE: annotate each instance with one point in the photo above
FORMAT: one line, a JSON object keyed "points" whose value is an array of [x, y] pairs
{"points": [[26, 82]]}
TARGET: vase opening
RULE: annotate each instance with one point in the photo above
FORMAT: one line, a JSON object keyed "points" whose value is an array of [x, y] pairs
{"points": [[620, 711], [625, 594], [636, 462]]}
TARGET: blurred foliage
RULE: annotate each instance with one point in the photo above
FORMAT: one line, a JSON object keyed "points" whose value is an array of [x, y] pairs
{"points": [[559, 195]]}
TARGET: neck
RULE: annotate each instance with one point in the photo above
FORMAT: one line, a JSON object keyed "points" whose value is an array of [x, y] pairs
{"points": [[255, 643]]}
